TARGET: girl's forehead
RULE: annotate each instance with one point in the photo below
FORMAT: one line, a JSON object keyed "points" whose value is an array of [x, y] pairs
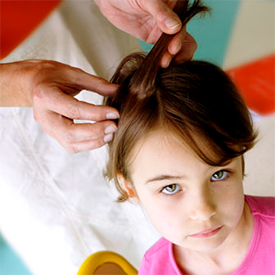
{"points": [[158, 139], [159, 148], [161, 140]]}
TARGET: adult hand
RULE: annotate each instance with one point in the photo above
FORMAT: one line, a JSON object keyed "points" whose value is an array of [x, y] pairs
{"points": [[146, 20], [49, 87]]}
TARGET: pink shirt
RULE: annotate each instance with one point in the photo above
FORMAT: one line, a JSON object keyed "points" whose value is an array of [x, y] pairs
{"points": [[260, 257]]}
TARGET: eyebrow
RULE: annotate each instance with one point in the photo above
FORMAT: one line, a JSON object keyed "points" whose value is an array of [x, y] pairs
{"points": [[164, 177]]}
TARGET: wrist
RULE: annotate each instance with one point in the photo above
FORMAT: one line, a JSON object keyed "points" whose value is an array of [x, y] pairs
{"points": [[16, 83]]}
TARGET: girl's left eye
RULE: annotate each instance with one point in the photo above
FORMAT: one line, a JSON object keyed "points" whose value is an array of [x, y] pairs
{"points": [[220, 175], [171, 189]]}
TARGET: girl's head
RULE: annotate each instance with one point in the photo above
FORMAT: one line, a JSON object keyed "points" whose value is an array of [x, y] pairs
{"points": [[194, 101]]}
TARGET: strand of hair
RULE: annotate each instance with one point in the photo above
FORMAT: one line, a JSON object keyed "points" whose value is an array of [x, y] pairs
{"points": [[144, 83]]}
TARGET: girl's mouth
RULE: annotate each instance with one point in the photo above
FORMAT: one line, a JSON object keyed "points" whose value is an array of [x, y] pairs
{"points": [[207, 233]]}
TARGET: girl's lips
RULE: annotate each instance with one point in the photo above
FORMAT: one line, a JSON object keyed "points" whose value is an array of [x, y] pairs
{"points": [[207, 233]]}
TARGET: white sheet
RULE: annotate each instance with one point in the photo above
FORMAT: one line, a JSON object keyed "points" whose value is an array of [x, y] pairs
{"points": [[55, 207]]}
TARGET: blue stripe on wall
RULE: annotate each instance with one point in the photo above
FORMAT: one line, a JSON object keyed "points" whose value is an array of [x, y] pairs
{"points": [[213, 32]]}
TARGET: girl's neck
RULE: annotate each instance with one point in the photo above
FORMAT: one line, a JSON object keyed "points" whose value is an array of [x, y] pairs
{"points": [[226, 258]]}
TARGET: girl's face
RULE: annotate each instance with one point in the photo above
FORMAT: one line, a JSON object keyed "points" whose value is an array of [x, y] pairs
{"points": [[191, 204]]}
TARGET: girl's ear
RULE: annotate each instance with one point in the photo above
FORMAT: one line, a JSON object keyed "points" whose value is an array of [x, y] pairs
{"points": [[128, 187]]}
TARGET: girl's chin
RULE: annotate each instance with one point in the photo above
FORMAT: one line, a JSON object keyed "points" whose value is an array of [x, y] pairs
{"points": [[202, 244]]}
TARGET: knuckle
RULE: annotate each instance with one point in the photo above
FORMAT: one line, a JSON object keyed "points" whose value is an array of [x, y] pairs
{"points": [[41, 96], [73, 112], [48, 65], [38, 93], [69, 136], [95, 131]]}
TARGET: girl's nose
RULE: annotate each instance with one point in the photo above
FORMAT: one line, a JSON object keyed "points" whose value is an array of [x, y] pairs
{"points": [[202, 206]]}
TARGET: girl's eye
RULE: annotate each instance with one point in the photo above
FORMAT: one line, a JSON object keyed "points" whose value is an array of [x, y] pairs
{"points": [[171, 189], [220, 175]]}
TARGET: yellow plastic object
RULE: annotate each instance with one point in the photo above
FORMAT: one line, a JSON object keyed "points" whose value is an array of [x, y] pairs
{"points": [[106, 263]]}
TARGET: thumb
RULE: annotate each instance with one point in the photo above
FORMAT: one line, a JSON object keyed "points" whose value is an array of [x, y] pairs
{"points": [[165, 18]]}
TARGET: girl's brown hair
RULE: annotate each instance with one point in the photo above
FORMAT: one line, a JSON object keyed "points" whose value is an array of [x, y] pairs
{"points": [[194, 100]]}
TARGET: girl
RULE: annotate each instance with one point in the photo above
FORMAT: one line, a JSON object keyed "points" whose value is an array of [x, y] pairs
{"points": [[178, 152]]}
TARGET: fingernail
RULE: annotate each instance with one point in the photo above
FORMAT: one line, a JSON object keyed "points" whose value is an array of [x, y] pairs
{"points": [[108, 138], [172, 23], [113, 115], [110, 129]]}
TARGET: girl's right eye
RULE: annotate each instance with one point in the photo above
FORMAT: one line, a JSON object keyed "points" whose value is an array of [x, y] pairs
{"points": [[171, 189]]}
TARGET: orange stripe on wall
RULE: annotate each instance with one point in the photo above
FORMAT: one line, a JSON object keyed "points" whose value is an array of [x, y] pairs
{"points": [[256, 82], [18, 19]]}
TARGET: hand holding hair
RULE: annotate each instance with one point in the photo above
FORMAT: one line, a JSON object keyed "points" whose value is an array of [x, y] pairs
{"points": [[147, 20], [49, 87]]}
